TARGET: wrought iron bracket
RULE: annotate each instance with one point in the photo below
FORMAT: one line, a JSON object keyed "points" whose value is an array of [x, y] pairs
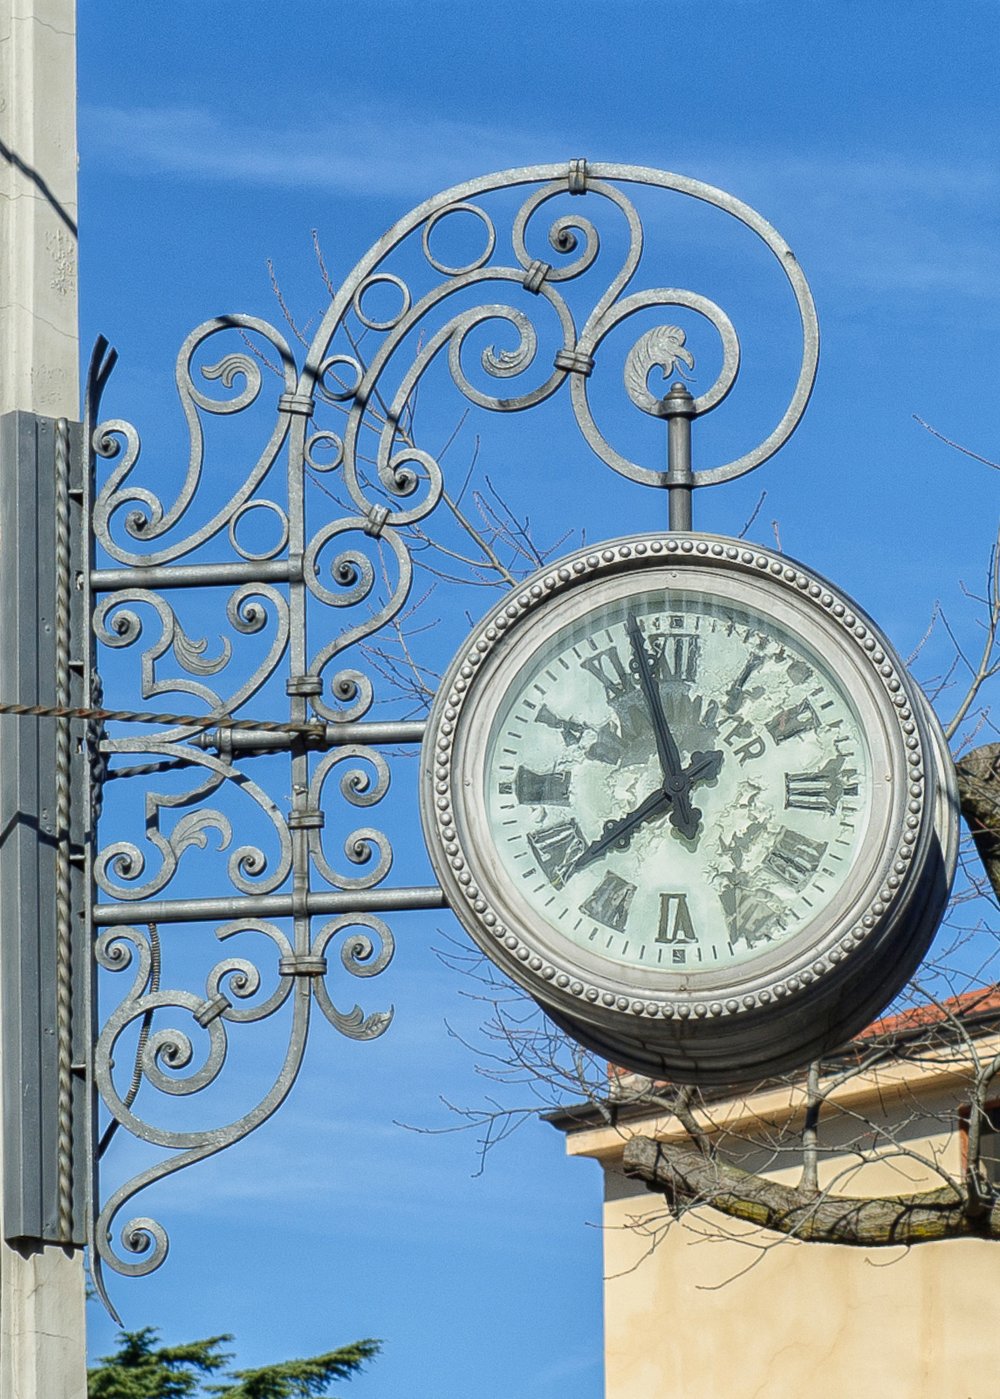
{"points": [[278, 735]]}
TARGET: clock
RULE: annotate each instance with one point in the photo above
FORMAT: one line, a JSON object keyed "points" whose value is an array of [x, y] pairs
{"points": [[683, 792]]}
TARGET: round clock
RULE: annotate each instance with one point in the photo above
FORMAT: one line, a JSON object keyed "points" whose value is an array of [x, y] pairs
{"points": [[685, 794]]}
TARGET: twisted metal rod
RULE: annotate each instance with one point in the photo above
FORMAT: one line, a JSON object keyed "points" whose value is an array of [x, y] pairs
{"points": [[63, 872], [136, 716]]}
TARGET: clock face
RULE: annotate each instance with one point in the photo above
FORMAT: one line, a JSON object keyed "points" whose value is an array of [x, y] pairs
{"points": [[677, 782]]}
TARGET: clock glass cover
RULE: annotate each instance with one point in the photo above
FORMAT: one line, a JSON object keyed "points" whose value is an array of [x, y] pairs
{"points": [[676, 782]]}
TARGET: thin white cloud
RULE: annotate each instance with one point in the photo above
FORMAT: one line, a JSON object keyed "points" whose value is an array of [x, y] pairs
{"points": [[365, 152], [890, 224]]}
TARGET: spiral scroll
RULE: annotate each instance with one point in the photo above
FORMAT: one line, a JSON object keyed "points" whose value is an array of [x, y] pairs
{"points": [[572, 249]]}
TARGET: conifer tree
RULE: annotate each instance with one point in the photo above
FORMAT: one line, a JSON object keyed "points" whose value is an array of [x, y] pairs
{"points": [[298, 1379], [142, 1369]]}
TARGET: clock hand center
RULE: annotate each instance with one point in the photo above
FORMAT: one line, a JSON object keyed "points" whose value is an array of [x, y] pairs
{"points": [[703, 766]]}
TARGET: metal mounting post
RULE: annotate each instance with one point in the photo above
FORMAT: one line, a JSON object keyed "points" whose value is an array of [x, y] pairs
{"points": [[43, 1008], [679, 409]]}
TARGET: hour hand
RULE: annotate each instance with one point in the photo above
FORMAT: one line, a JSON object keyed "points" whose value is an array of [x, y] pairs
{"points": [[703, 767]]}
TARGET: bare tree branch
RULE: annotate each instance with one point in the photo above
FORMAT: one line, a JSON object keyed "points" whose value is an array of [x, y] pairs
{"points": [[979, 789], [686, 1177], [986, 461]]}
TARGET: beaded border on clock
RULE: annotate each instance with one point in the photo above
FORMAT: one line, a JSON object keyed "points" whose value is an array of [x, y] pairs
{"points": [[593, 563]]}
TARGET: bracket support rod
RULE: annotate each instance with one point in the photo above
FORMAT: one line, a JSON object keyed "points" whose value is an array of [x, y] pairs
{"points": [[269, 906], [678, 409]]}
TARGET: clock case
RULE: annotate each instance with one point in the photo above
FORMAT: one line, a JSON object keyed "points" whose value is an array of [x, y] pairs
{"points": [[817, 987]]}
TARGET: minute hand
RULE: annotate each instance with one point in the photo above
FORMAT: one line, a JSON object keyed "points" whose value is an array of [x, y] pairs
{"points": [[683, 815]]}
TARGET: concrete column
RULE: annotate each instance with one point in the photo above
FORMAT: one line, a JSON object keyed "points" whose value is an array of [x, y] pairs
{"points": [[39, 338], [42, 1351]]}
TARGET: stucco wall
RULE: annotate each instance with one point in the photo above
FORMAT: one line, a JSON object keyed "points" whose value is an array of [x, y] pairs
{"points": [[698, 1314]]}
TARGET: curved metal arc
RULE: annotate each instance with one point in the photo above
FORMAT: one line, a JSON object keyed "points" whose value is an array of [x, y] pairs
{"points": [[358, 787], [364, 954], [591, 339], [246, 864], [363, 269], [568, 222], [146, 1237], [369, 377], [260, 1010], [597, 174], [453, 335], [246, 615], [172, 1046], [154, 520], [356, 690]]}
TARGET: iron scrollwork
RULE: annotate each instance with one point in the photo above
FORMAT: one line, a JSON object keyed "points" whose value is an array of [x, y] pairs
{"points": [[171, 571]]}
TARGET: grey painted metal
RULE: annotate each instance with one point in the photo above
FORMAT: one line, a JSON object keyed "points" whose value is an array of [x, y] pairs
{"points": [[324, 736], [678, 411], [313, 597], [660, 348], [42, 896], [106, 580], [398, 900]]}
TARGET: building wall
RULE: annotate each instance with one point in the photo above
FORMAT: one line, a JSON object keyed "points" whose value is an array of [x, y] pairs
{"points": [[711, 1309]]}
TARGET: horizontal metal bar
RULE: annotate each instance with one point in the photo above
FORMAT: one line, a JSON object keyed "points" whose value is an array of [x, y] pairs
{"points": [[321, 736], [268, 906], [106, 580]]}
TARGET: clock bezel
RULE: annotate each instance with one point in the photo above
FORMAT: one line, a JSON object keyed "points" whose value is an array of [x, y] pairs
{"points": [[564, 976]]}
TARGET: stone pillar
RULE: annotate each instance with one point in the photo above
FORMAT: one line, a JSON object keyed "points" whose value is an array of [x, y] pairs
{"points": [[39, 338], [42, 1354]]}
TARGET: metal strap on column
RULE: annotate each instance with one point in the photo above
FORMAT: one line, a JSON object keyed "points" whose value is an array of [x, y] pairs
{"points": [[42, 895]]}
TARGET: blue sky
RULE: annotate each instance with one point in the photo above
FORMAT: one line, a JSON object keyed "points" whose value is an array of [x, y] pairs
{"points": [[215, 138]]}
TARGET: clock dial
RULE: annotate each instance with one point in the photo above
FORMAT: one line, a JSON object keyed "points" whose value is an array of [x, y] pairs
{"points": [[676, 782]]}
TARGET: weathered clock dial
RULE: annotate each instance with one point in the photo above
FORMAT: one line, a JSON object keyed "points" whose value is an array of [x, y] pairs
{"points": [[783, 795], [684, 792]]}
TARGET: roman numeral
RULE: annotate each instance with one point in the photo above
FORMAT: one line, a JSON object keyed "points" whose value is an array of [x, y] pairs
{"points": [[674, 656], [734, 697], [795, 858], [798, 719], [556, 849], [609, 668], [607, 746], [675, 920], [751, 914], [541, 788], [821, 790], [610, 902]]}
